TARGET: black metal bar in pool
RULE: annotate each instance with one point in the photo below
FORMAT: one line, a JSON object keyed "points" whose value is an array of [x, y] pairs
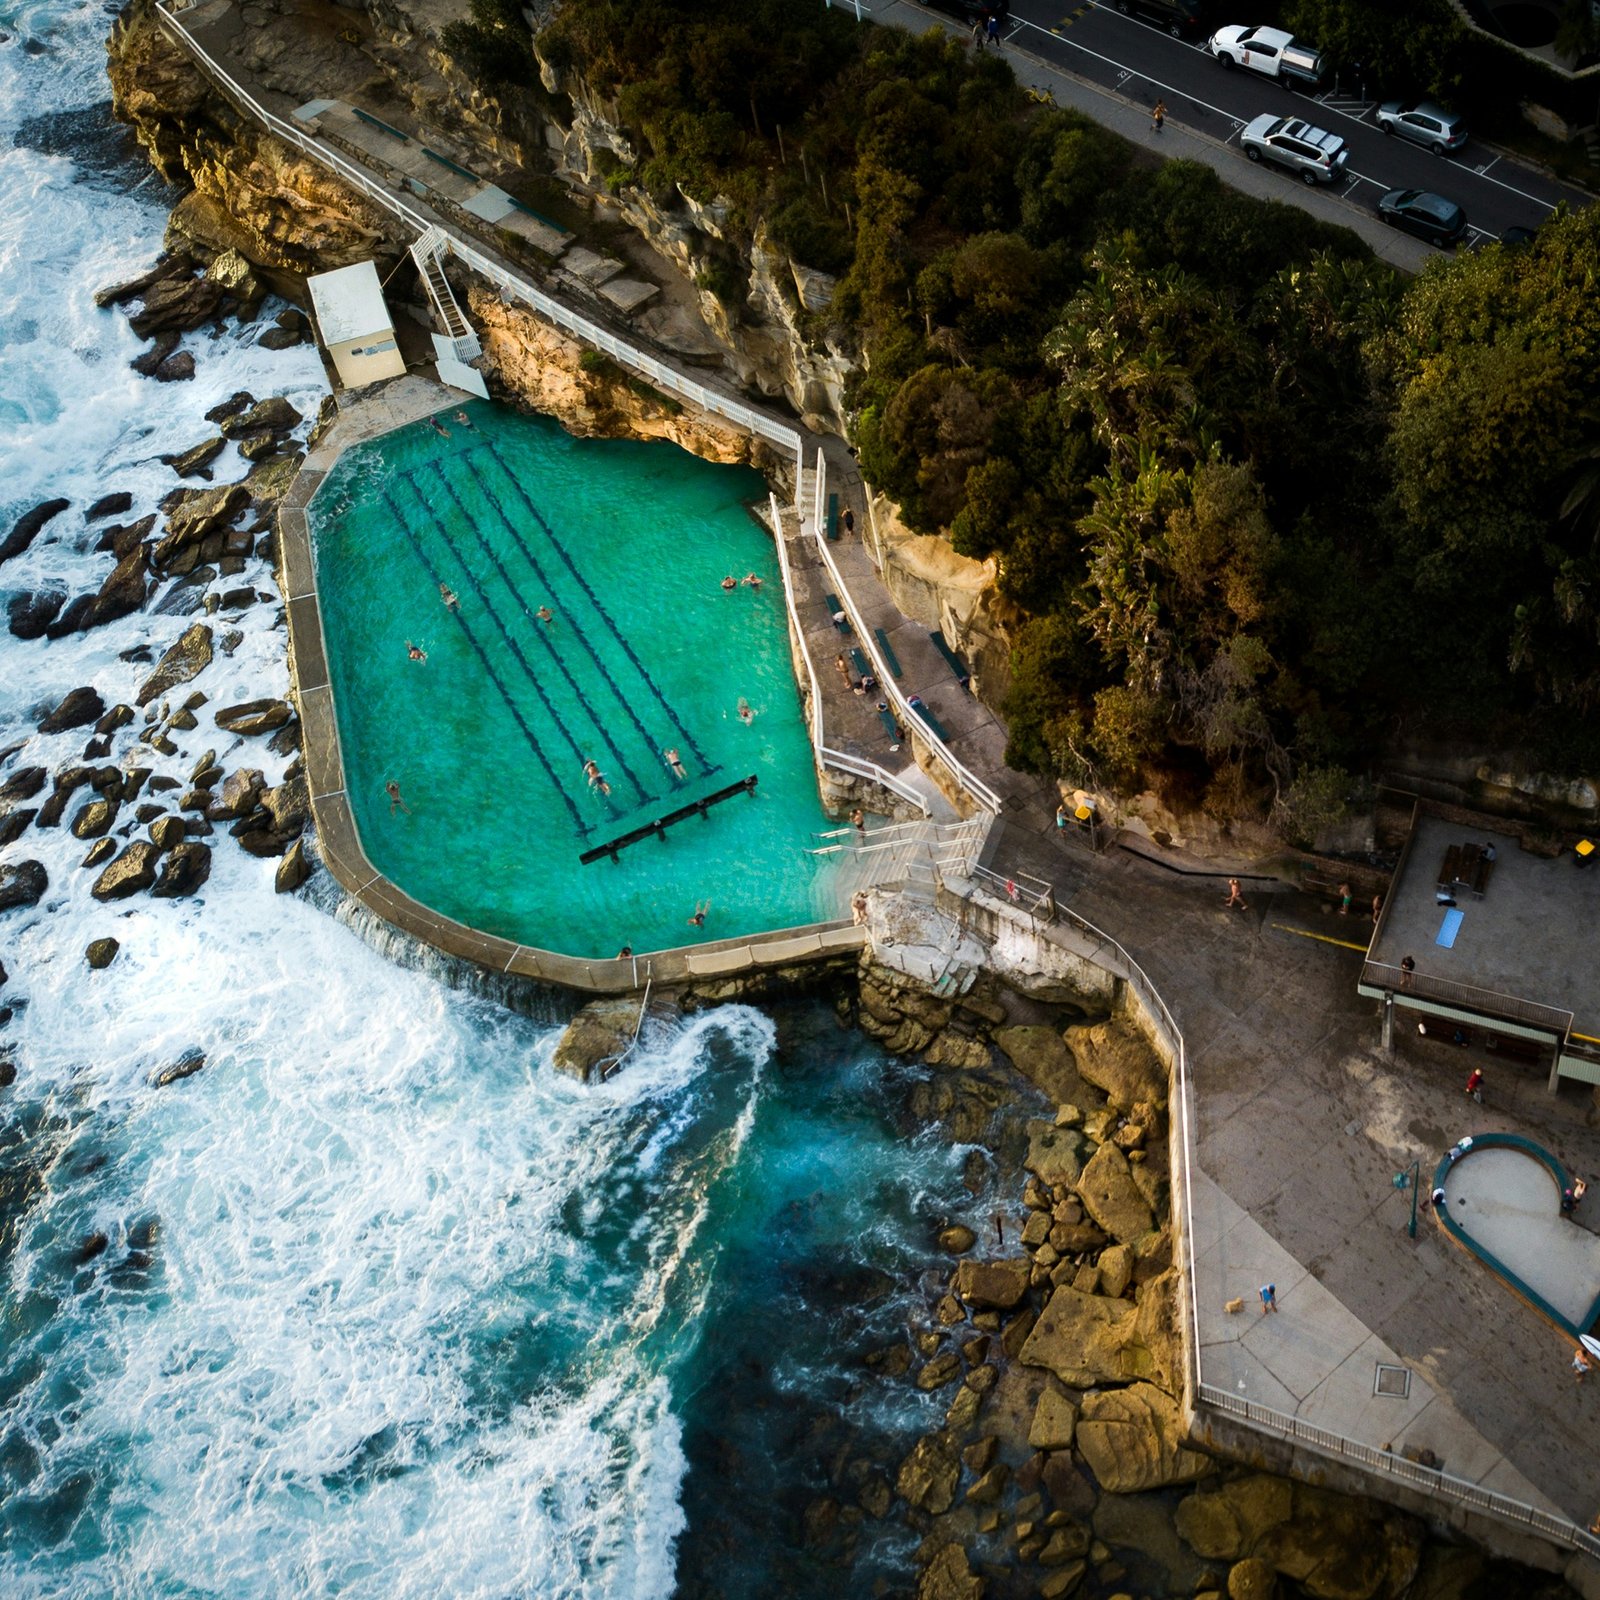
{"points": [[658, 828]]}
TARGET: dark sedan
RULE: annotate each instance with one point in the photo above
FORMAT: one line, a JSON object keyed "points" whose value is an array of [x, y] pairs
{"points": [[1429, 216]]}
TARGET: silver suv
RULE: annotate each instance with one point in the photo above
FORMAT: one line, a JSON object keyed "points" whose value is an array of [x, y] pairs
{"points": [[1318, 156]]}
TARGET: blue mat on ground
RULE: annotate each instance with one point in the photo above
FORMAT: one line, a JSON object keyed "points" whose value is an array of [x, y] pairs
{"points": [[1449, 928], [888, 651]]}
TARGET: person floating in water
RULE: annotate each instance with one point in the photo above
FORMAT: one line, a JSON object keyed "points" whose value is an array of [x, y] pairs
{"points": [[751, 579], [545, 614], [746, 715], [448, 595], [597, 779], [674, 763], [698, 920], [463, 419], [392, 789], [416, 652], [730, 582], [438, 427]]}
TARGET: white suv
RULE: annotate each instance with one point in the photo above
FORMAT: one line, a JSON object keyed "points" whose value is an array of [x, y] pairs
{"points": [[1318, 156]]}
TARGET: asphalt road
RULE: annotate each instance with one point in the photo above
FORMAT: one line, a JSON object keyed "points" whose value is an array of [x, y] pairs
{"points": [[1137, 63]]}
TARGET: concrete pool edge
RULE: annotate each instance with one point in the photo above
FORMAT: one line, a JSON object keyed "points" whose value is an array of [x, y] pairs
{"points": [[339, 840]]}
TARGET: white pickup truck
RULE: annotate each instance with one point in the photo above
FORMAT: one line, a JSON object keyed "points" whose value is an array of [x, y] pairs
{"points": [[1269, 51]]}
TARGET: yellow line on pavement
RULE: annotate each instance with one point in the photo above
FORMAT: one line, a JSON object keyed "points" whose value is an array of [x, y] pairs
{"points": [[1321, 938]]}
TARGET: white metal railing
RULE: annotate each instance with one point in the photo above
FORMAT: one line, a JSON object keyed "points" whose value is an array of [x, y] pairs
{"points": [[974, 785], [661, 375], [854, 765]]}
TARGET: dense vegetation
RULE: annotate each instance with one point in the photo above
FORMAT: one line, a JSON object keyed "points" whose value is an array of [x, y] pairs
{"points": [[1253, 497]]}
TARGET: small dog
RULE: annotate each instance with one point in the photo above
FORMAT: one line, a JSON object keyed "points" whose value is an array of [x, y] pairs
{"points": [[1234, 1306]]}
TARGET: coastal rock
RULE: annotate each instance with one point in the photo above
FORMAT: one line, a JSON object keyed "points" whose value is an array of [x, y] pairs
{"points": [[131, 872], [116, 293], [30, 614], [26, 528], [1224, 1524], [1337, 1547], [186, 659], [74, 619], [1086, 1339], [958, 1050], [185, 869], [273, 415], [1119, 1060], [177, 368], [176, 304], [124, 590], [1110, 1195], [1041, 1055], [928, 1476], [254, 716], [293, 870], [193, 515], [100, 850], [94, 819], [1055, 1155], [272, 478], [109, 505], [233, 273], [281, 338], [1055, 1419], [239, 796], [101, 953], [167, 832], [1133, 1439], [993, 1285], [13, 824], [957, 1239], [81, 707], [1252, 1580], [599, 1033], [197, 458], [189, 1063], [949, 1577], [941, 1370], [147, 361], [22, 883], [23, 784]]}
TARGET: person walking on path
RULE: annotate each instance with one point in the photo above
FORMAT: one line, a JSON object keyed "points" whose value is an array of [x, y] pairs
{"points": [[1407, 966], [1235, 900], [1345, 899], [1475, 1085], [849, 523], [858, 821], [1269, 1298], [994, 30], [1158, 116], [979, 33]]}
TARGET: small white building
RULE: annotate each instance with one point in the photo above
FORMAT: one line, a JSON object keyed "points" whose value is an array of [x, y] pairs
{"points": [[354, 324]]}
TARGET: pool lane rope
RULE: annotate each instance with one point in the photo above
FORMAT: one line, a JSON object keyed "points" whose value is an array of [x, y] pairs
{"points": [[505, 694], [594, 600], [541, 633]]}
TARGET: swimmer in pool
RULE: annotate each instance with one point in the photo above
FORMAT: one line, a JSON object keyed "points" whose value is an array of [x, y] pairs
{"points": [[597, 779], [438, 427], [730, 582], [448, 595], [545, 614], [463, 419], [698, 920], [674, 763], [751, 579], [746, 715], [392, 789], [416, 652]]}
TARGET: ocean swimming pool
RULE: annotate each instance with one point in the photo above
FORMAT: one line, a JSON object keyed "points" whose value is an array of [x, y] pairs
{"points": [[489, 727]]}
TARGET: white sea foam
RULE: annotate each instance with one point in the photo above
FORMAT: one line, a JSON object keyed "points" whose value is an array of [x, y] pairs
{"points": [[396, 1335]]}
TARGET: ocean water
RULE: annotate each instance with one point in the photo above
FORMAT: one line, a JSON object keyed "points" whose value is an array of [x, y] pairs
{"points": [[625, 544], [374, 1304]]}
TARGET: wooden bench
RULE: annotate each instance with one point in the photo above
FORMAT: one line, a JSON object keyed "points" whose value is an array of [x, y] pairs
{"points": [[890, 726], [1449, 869], [833, 517], [931, 720], [836, 612], [860, 663], [963, 677], [888, 652]]}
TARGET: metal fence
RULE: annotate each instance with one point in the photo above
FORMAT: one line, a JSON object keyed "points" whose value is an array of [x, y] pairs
{"points": [[1485, 1002]]}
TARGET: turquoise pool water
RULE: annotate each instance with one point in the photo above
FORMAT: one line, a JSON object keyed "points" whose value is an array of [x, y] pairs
{"points": [[626, 545]]}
